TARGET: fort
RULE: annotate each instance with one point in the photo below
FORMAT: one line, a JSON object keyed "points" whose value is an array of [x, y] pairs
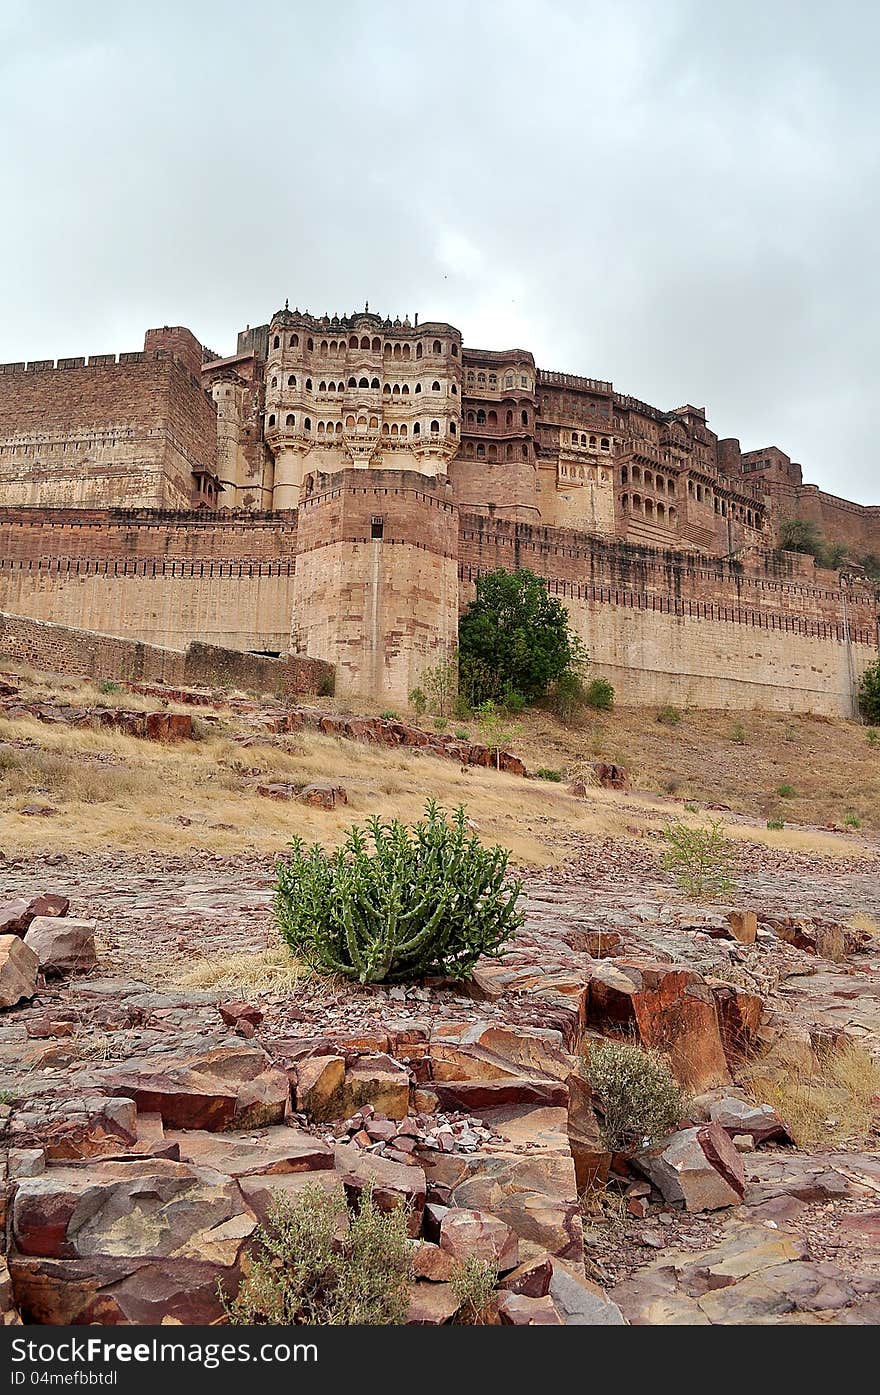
{"points": [[332, 490]]}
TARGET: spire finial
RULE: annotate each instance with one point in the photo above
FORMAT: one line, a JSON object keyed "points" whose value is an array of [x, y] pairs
{"points": [[286, 303], [366, 307]]}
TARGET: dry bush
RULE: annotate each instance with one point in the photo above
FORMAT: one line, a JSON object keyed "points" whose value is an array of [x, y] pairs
{"points": [[302, 1272], [640, 1099], [474, 1286], [837, 1105]]}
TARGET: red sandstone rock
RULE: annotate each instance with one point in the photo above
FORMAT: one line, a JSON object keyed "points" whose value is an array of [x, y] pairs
{"points": [[18, 971], [235, 1012], [217, 1089], [466, 1233], [62, 945], [393, 1183], [319, 1081], [519, 1310], [323, 796]]}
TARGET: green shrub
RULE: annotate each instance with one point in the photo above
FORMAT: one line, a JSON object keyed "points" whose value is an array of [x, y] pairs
{"points": [[515, 636], [300, 1273], [441, 723], [873, 736], [852, 821], [569, 696], [669, 716], [389, 715], [418, 701], [106, 686], [462, 735], [640, 1098], [544, 773], [776, 824], [699, 858], [599, 694], [428, 900], [441, 686], [786, 792], [869, 693], [473, 1284], [327, 685], [496, 729], [512, 701], [692, 808], [737, 734]]}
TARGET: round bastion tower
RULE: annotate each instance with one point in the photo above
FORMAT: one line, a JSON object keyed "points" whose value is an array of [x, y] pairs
{"points": [[358, 392]]}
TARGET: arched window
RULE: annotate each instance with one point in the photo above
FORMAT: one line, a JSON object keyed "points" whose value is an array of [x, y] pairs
{"points": [[508, 381], [323, 346], [376, 345], [294, 341], [649, 480], [374, 384], [593, 442], [394, 430], [605, 443], [454, 390], [509, 452], [493, 453], [352, 382], [386, 429], [493, 380], [353, 341], [339, 428], [397, 351], [417, 388], [272, 419], [362, 421], [469, 450], [349, 422], [481, 417], [291, 381], [374, 423], [387, 351], [509, 421], [437, 347], [310, 343], [525, 418], [481, 451], [574, 437], [406, 351], [435, 428], [333, 346], [525, 450], [387, 388], [672, 514], [320, 428], [274, 382], [322, 387], [364, 382], [291, 420], [308, 423], [481, 377], [308, 384], [637, 503], [417, 430], [637, 474], [492, 418], [649, 508], [435, 387], [452, 428], [418, 350], [661, 511], [365, 342], [405, 390], [470, 417], [276, 342], [624, 502], [470, 376], [396, 389], [624, 475], [403, 430], [455, 351]]}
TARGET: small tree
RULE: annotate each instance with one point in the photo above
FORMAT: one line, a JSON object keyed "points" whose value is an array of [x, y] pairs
{"points": [[869, 693], [699, 858], [515, 636], [440, 684], [495, 728]]}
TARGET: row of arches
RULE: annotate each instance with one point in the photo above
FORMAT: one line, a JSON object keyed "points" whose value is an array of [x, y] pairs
{"points": [[364, 344], [369, 383], [359, 423], [651, 508], [491, 452], [649, 479], [490, 418], [593, 442]]}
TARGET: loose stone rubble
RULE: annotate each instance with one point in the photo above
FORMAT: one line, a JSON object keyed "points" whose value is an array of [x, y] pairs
{"points": [[147, 1129]]}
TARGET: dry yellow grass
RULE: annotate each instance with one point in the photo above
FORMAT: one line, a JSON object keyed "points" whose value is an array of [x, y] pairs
{"points": [[272, 970], [838, 1105]]}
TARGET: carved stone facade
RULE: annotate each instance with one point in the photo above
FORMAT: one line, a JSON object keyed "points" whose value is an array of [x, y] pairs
{"points": [[320, 491]]}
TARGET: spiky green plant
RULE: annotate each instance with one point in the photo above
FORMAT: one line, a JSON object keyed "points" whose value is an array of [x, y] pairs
{"points": [[429, 899]]}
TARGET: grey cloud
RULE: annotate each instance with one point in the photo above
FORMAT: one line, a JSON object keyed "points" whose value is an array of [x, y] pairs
{"points": [[679, 196]]}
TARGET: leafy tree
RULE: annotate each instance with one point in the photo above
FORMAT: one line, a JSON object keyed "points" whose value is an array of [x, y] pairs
{"points": [[799, 535], [869, 694], [515, 637]]}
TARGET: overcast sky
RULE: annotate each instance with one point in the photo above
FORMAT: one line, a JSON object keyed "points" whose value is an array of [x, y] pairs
{"points": [[678, 195]]}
